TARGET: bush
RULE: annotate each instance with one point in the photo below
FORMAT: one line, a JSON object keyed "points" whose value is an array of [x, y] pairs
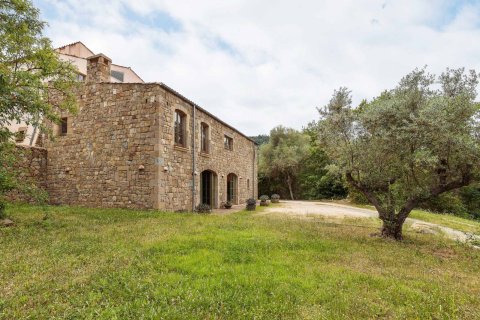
{"points": [[203, 208], [446, 203], [357, 197], [275, 198], [264, 200], [227, 205], [251, 204]]}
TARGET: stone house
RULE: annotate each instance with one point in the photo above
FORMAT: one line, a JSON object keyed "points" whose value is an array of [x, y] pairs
{"points": [[144, 145], [77, 54]]}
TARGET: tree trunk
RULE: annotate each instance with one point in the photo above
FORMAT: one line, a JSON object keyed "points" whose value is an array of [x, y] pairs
{"points": [[392, 229], [289, 182]]}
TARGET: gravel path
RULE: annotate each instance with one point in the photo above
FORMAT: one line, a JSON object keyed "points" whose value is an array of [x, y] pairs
{"points": [[333, 210]]}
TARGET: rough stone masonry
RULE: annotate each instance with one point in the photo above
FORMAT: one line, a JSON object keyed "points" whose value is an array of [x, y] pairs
{"points": [[119, 150]]}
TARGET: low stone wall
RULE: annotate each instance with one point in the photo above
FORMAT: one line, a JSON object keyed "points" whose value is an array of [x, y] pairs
{"points": [[31, 167]]}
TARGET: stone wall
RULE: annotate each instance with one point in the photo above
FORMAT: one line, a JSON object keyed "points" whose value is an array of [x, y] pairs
{"points": [[31, 166], [175, 192], [107, 158]]}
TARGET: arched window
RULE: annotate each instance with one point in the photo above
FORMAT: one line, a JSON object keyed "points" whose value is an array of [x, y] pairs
{"points": [[180, 127], [204, 136]]}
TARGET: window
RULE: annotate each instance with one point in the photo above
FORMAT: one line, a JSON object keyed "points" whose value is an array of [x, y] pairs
{"points": [[63, 126], [204, 138], [248, 184], [228, 142], [117, 75], [80, 77], [20, 134], [180, 119]]}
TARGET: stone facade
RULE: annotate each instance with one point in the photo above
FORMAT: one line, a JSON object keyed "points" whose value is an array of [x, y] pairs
{"points": [[31, 166], [119, 150]]}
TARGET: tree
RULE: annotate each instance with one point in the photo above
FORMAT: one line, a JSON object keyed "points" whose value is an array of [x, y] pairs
{"points": [[317, 177], [30, 74], [408, 145], [282, 155]]}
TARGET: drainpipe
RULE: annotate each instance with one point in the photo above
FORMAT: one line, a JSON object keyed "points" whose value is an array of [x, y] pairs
{"points": [[253, 172], [193, 158]]}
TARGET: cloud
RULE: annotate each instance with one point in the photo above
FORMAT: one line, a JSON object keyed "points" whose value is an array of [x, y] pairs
{"points": [[257, 64]]}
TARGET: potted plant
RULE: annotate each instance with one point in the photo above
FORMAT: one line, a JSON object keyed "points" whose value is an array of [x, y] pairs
{"points": [[203, 208], [251, 204], [264, 200], [275, 198]]}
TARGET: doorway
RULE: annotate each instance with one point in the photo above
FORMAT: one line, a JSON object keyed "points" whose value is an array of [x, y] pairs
{"points": [[232, 188], [208, 188]]}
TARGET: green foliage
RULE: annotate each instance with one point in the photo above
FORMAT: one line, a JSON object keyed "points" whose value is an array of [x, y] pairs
{"points": [[281, 157], [264, 197], [30, 70], [409, 144], [448, 202], [470, 197], [30, 74], [260, 139]]}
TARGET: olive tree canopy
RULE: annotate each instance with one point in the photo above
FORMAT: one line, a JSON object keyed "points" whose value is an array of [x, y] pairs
{"points": [[407, 145]]}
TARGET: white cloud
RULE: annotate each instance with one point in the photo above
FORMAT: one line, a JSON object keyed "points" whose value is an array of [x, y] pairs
{"points": [[257, 64]]}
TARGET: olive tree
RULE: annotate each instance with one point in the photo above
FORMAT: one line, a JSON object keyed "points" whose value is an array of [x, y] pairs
{"points": [[281, 157], [30, 73], [407, 145]]}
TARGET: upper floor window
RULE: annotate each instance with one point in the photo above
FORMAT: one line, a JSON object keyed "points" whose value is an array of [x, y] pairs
{"points": [[228, 142], [204, 136], [120, 76], [180, 126], [63, 126], [20, 134], [80, 77]]}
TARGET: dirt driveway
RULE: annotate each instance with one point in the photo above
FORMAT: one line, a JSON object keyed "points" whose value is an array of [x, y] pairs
{"points": [[334, 210]]}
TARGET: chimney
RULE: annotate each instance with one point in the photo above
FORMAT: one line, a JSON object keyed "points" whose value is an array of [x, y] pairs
{"points": [[98, 68]]}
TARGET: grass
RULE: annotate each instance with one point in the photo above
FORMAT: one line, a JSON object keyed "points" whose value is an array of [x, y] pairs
{"points": [[126, 264], [448, 220]]}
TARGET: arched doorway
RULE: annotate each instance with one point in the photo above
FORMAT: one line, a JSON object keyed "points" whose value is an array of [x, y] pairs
{"points": [[232, 188], [208, 188]]}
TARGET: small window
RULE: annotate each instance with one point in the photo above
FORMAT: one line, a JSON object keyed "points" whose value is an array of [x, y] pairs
{"points": [[120, 76], [20, 134], [228, 142], [248, 184], [204, 138], [63, 126], [180, 126]]}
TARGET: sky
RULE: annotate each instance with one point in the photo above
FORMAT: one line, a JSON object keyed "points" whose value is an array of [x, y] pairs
{"points": [[258, 64]]}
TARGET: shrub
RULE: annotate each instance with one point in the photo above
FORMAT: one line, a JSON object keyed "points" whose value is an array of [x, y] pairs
{"points": [[251, 204], [227, 205], [203, 208], [264, 200], [275, 198]]}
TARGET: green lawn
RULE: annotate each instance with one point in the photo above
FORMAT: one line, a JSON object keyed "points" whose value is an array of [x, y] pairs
{"points": [[120, 264]]}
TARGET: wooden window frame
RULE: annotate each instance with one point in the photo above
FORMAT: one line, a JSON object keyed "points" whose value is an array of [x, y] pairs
{"points": [[63, 127], [204, 138], [180, 128], [228, 142]]}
